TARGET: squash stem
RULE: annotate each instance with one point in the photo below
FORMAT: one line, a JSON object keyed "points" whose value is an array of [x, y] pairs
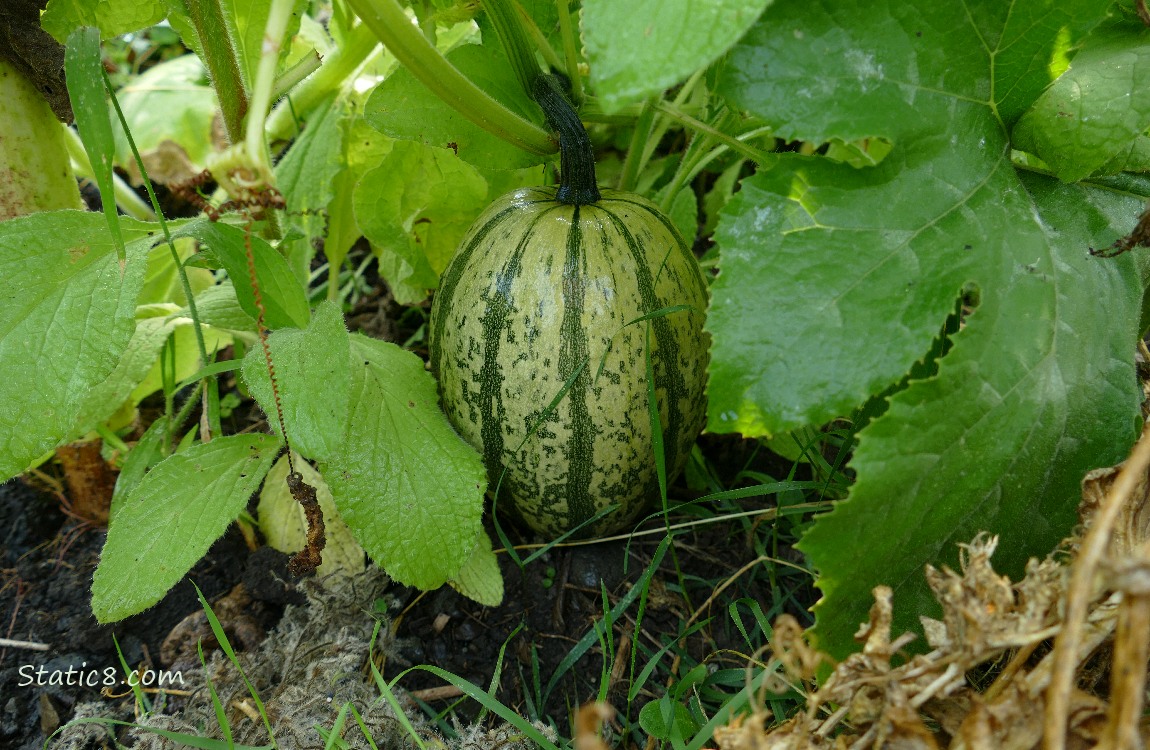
{"points": [[388, 21], [336, 69], [576, 157], [577, 184]]}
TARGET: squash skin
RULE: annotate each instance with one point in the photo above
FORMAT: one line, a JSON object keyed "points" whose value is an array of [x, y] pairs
{"points": [[540, 293]]}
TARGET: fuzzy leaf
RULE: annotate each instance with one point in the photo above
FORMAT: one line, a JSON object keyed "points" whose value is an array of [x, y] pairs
{"points": [[480, 579], [409, 488], [834, 281], [640, 48], [172, 517], [313, 377], [285, 303], [63, 326]]}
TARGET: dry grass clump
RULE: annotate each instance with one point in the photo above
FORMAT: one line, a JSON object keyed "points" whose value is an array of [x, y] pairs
{"points": [[1066, 648]]}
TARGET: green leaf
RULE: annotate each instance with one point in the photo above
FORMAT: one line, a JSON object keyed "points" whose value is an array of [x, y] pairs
{"points": [[64, 325], [313, 377], [285, 303], [172, 517], [169, 102], [218, 307], [402, 107], [665, 718], [146, 453], [480, 579], [85, 77], [640, 48], [418, 204], [1097, 108], [61, 17], [284, 525], [834, 281], [409, 488], [306, 176], [186, 357]]}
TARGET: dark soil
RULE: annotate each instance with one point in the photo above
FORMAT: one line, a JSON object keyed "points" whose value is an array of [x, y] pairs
{"points": [[48, 558]]}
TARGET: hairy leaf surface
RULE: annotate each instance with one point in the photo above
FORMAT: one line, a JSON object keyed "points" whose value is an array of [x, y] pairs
{"points": [[65, 323], [171, 518], [409, 488]]}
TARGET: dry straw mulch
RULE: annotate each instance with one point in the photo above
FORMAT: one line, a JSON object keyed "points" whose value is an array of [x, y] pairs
{"points": [[1063, 651]]}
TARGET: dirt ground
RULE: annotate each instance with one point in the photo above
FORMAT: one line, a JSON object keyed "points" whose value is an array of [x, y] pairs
{"points": [[46, 566]]}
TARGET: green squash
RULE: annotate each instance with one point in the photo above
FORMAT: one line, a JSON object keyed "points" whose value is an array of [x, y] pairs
{"points": [[543, 293]]}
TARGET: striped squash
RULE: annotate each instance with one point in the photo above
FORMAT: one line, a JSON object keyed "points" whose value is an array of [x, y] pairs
{"points": [[542, 291]]}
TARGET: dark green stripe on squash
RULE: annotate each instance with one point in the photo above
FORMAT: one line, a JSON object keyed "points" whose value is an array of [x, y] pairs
{"points": [[539, 289]]}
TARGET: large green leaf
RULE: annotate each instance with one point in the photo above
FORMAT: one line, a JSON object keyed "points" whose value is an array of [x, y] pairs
{"points": [[835, 280], [171, 518], [1095, 110], [640, 48], [409, 488], [65, 321]]}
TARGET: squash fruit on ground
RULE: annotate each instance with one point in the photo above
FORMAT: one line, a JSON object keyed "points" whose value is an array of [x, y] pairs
{"points": [[550, 288]]}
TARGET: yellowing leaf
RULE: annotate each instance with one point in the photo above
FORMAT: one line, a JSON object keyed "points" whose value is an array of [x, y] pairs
{"points": [[284, 526], [480, 579]]}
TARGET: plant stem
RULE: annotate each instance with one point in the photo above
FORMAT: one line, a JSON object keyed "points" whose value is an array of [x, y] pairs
{"points": [[291, 77], [388, 21], [254, 141], [550, 56], [673, 111], [696, 159], [336, 69], [510, 31], [577, 184], [211, 387], [222, 61], [639, 137], [126, 198]]}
